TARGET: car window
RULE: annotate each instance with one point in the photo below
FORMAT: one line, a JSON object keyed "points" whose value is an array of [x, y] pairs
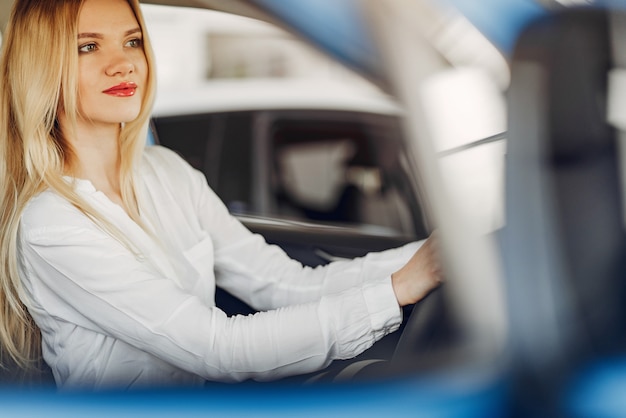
{"points": [[301, 165], [338, 172]]}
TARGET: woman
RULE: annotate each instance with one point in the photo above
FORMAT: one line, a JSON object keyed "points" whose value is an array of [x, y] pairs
{"points": [[111, 251]]}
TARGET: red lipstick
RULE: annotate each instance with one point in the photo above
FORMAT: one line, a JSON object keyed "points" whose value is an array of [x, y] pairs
{"points": [[125, 89]]}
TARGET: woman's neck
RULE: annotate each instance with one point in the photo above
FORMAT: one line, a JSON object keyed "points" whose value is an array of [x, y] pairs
{"points": [[96, 157]]}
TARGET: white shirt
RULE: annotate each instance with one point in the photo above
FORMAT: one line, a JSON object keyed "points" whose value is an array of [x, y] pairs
{"points": [[111, 317]]}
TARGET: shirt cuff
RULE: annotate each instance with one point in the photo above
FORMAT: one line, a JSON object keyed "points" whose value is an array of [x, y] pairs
{"points": [[361, 316], [383, 307]]}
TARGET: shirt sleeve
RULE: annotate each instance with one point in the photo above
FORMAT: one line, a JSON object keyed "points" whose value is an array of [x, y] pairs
{"points": [[93, 281]]}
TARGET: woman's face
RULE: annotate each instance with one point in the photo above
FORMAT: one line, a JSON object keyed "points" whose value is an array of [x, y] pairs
{"points": [[112, 65]]}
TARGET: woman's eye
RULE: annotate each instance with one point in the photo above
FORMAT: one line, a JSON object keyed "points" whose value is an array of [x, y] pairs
{"points": [[134, 43], [87, 48]]}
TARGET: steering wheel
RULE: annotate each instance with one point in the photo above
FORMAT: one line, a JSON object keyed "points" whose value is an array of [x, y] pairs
{"points": [[424, 329], [423, 333]]}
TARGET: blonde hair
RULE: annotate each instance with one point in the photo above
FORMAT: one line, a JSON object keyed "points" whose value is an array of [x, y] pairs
{"points": [[33, 151]]}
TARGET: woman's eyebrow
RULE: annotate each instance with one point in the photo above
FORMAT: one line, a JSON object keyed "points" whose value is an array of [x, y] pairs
{"points": [[100, 36]]}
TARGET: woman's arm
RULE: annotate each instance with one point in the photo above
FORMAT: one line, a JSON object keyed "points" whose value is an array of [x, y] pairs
{"points": [[81, 275]]}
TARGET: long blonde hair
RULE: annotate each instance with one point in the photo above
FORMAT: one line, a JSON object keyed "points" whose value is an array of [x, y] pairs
{"points": [[35, 83]]}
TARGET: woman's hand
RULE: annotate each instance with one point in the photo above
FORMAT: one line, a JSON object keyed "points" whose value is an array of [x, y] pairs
{"points": [[419, 276]]}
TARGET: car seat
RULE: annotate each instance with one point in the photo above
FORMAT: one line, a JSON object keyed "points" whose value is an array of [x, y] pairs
{"points": [[563, 244]]}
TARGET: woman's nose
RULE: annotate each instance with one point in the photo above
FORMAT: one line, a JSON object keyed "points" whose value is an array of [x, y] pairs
{"points": [[120, 65]]}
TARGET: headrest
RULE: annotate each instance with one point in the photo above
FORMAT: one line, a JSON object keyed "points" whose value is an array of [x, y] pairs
{"points": [[575, 82]]}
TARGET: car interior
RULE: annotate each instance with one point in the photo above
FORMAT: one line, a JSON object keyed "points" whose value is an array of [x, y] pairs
{"points": [[564, 245]]}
